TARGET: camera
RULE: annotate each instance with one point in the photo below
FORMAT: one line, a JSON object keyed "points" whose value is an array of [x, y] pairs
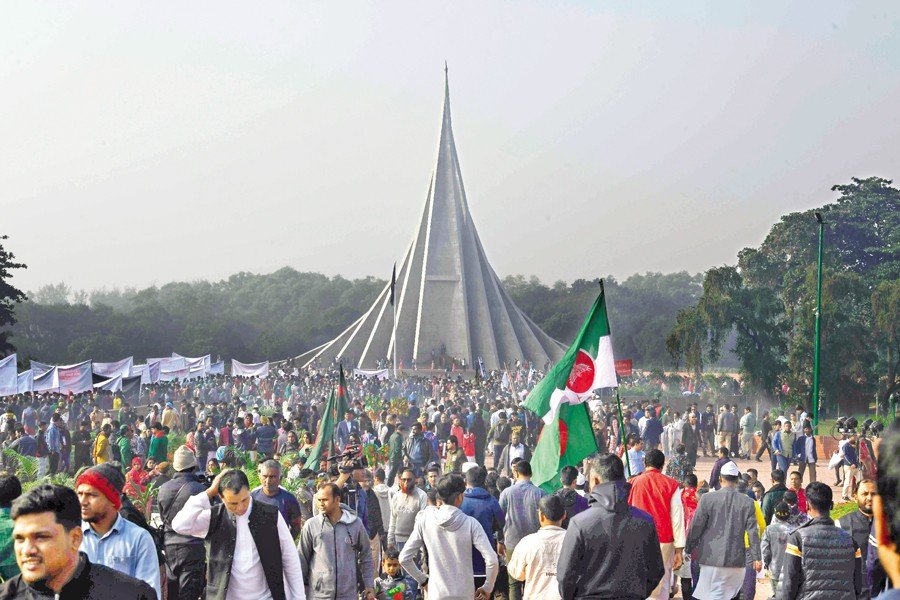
{"points": [[204, 479], [352, 452], [846, 424]]}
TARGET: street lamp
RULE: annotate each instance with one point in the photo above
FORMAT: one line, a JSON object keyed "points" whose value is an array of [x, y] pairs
{"points": [[817, 354]]}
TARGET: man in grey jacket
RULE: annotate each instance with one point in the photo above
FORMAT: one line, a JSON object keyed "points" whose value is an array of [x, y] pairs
{"points": [[717, 536], [449, 534], [334, 551]]}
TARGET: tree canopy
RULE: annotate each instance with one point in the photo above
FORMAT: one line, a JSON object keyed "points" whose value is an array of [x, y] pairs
{"points": [[9, 297], [769, 298]]}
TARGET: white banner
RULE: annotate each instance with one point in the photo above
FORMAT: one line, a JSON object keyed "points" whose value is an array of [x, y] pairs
{"points": [[217, 368], [26, 381], [110, 385], [168, 363], [197, 371], [250, 370], [46, 382], [111, 369], [174, 374], [39, 368], [206, 361], [148, 373], [9, 376], [75, 378], [377, 373]]}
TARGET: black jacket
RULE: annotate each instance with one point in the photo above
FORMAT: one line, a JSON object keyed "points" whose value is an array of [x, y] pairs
{"points": [[611, 550], [821, 562], [171, 498], [90, 582], [859, 526]]}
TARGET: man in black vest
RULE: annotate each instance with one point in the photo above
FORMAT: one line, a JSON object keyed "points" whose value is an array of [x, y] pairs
{"points": [[243, 562]]}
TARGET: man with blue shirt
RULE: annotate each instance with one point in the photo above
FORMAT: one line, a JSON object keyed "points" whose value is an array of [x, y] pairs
{"points": [[520, 504], [109, 539]]}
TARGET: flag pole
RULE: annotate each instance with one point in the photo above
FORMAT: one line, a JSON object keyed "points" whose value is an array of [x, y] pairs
{"points": [[394, 313], [622, 432], [619, 408]]}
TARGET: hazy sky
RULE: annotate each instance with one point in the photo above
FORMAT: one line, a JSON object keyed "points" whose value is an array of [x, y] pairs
{"points": [[145, 142]]}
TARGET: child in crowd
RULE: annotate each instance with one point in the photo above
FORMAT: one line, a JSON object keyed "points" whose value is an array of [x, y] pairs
{"points": [[774, 543], [393, 585]]}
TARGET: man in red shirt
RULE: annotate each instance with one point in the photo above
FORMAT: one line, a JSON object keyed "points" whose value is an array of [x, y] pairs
{"points": [[660, 496]]}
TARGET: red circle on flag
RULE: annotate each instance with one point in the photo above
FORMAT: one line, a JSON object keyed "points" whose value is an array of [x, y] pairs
{"points": [[581, 377]]}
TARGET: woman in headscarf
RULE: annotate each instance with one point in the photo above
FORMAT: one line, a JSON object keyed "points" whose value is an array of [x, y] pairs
{"points": [[136, 478]]}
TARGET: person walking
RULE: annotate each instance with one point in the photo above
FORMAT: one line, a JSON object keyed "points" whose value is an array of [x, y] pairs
{"points": [[821, 559], [716, 538], [334, 551], [765, 428], [690, 437], [660, 496], [783, 444], [449, 535], [406, 504], [536, 555], [851, 465], [484, 508], [185, 554], [520, 504], [573, 501], [610, 550], [251, 555], [396, 452], [773, 495], [747, 426], [774, 542], [515, 449], [805, 451]]}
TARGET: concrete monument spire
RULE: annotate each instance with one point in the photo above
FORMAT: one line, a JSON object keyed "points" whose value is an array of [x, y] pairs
{"points": [[449, 302]]}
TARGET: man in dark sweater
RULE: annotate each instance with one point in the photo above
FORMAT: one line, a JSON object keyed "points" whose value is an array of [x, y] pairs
{"points": [[48, 533], [611, 550]]}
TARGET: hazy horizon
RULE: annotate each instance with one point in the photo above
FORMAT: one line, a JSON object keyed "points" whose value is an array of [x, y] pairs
{"points": [[148, 144]]}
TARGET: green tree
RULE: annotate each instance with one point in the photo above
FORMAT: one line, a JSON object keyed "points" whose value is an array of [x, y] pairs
{"points": [[9, 297], [886, 315]]}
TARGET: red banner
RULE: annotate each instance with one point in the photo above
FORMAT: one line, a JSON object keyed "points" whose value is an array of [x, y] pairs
{"points": [[624, 367]]}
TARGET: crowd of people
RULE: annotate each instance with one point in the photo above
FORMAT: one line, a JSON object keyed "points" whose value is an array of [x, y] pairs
{"points": [[217, 488]]}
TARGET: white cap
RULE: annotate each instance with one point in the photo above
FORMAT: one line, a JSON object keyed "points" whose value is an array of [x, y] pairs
{"points": [[730, 468], [467, 466], [581, 480]]}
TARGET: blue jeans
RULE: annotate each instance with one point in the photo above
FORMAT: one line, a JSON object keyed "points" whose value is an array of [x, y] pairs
{"points": [[784, 463]]}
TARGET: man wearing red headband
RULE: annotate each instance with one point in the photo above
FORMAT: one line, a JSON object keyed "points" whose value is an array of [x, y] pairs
{"points": [[109, 539]]}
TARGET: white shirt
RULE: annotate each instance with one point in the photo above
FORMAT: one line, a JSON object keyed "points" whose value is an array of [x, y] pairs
{"points": [[516, 452], [247, 572], [534, 561]]}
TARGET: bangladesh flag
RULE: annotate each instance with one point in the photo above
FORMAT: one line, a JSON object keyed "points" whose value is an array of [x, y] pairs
{"points": [[568, 437], [334, 410]]}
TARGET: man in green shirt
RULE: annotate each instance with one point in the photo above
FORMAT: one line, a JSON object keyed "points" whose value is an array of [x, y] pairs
{"points": [[159, 444], [124, 442], [10, 489]]}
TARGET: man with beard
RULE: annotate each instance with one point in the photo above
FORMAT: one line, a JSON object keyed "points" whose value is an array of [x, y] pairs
{"points": [[859, 524], [108, 539], [406, 504]]}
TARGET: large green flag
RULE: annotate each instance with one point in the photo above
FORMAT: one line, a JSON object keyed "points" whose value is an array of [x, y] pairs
{"points": [[334, 410], [588, 364]]}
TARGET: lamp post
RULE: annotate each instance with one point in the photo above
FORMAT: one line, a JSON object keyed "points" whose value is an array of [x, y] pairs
{"points": [[817, 352]]}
